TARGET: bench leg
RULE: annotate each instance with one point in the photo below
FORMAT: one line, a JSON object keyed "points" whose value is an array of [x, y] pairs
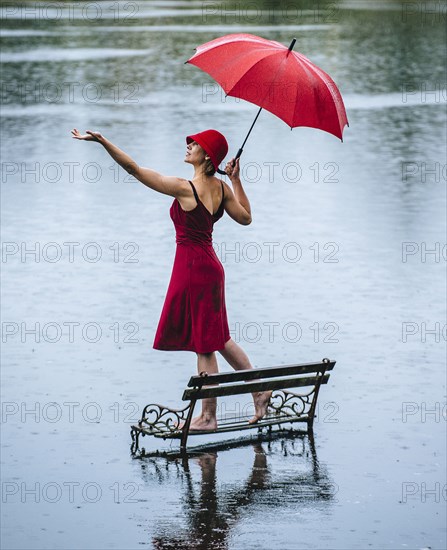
{"points": [[310, 422], [135, 437], [185, 428]]}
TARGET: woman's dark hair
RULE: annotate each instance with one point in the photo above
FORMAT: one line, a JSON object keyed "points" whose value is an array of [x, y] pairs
{"points": [[209, 168]]}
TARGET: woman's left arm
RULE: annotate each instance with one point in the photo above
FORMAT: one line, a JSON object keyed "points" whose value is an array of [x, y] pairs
{"points": [[168, 185]]}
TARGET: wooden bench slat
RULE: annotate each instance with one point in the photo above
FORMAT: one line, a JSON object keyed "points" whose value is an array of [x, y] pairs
{"points": [[218, 391], [253, 374]]}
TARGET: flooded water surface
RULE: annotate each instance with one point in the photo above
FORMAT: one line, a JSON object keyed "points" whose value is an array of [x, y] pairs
{"points": [[345, 258]]}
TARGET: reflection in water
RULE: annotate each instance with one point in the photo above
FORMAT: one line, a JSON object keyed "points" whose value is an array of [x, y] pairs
{"points": [[213, 510]]}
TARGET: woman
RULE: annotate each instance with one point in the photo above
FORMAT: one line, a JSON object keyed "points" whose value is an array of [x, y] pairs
{"points": [[194, 313]]}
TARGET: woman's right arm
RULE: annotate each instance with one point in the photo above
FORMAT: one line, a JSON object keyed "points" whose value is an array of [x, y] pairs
{"points": [[168, 185]]}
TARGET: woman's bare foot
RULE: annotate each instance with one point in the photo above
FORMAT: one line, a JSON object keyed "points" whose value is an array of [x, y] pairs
{"points": [[261, 400], [201, 423]]}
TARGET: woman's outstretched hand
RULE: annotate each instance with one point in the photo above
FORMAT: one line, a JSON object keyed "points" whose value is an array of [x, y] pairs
{"points": [[88, 136], [232, 168]]}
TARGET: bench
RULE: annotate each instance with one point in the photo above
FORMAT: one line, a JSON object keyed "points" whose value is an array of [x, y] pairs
{"points": [[284, 406]]}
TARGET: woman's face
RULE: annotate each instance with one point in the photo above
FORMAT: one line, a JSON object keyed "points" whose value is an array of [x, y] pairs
{"points": [[194, 154]]}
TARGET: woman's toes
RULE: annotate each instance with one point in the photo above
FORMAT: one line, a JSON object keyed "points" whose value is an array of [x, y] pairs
{"points": [[261, 402]]}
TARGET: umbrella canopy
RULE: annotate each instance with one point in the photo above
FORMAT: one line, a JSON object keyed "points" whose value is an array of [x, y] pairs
{"points": [[275, 78]]}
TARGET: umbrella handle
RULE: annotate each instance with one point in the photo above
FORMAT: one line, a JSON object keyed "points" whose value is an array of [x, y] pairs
{"points": [[238, 154]]}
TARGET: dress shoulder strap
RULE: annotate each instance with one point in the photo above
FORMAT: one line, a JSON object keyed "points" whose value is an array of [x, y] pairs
{"points": [[194, 191]]}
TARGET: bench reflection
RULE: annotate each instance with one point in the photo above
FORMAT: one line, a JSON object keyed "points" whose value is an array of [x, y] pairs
{"points": [[212, 508]]}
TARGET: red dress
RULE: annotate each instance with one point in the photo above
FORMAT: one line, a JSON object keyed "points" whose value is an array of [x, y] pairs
{"points": [[194, 316]]}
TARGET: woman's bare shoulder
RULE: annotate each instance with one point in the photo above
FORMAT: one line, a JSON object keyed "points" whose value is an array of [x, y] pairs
{"points": [[225, 186], [183, 187]]}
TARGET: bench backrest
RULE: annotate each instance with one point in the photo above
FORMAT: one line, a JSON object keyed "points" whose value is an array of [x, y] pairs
{"points": [[281, 377]]}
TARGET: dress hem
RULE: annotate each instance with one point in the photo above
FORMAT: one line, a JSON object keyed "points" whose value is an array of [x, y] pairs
{"points": [[191, 349]]}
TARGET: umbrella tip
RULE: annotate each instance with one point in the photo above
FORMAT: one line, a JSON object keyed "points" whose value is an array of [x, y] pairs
{"points": [[292, 44]]}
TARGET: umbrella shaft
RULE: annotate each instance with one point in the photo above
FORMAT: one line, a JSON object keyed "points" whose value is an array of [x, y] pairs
{"points": [[239, 153]]}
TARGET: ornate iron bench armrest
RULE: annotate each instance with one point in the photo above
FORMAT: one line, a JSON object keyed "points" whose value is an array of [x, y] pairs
{"points": [[160, 421]]}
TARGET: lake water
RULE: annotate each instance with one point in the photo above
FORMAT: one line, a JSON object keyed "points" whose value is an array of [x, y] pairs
{"points": [[345, 258]]}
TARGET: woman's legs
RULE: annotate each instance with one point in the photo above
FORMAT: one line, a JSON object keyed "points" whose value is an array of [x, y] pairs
{"points": [[238, 359], [235, 356], [206, 362]]}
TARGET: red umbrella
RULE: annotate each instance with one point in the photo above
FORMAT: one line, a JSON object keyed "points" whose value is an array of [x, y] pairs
{"points": [[275, 78]]}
